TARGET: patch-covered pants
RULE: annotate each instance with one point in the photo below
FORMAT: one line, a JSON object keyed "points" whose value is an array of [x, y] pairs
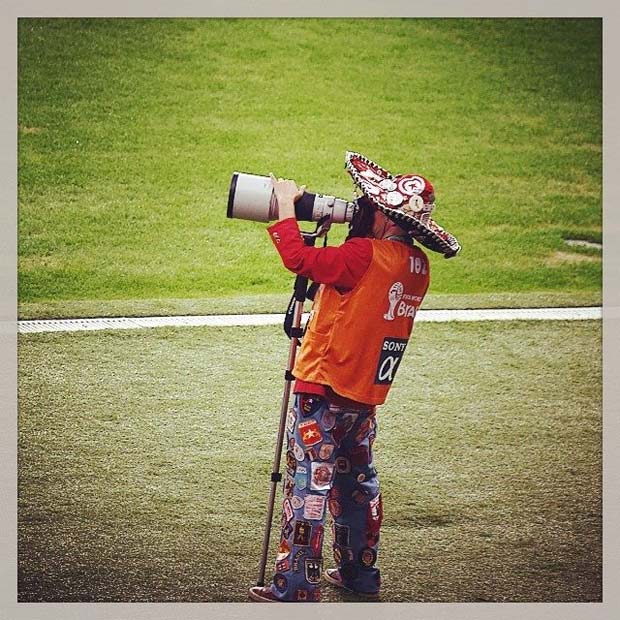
{"points": [[328, 467]]}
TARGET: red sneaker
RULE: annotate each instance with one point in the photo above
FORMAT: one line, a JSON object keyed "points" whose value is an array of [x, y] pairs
{"points": [[263, 594], [332, 575]]}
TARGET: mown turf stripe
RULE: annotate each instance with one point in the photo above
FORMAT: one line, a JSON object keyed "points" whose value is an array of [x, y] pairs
{"points": [[232, 320]]}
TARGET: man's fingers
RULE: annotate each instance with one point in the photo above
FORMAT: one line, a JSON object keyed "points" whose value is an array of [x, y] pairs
{"points": [[275, 180]]}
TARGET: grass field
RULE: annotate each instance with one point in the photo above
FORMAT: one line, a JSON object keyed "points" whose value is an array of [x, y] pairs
{"points": [[129, 130], [143, 473], [278, 302]]}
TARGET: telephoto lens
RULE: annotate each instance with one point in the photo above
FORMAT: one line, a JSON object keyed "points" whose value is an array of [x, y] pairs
{"points": [[251, 197]]}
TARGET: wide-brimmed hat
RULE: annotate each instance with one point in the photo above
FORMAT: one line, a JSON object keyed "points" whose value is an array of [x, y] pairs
{"points": [[407, 199]]}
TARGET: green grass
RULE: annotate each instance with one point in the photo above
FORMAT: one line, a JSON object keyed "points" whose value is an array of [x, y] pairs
{"points": [[129, 130], [144, 460], [278, 302]]}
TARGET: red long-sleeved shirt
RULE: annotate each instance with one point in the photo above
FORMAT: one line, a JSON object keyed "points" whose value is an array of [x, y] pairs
{"points": [[342, 267]]}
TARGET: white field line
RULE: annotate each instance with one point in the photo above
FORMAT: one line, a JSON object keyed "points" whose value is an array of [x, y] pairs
{"points": [[233, 320]]}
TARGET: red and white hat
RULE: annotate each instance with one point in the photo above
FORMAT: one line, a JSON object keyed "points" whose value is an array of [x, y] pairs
{"points": [[407, 199]]}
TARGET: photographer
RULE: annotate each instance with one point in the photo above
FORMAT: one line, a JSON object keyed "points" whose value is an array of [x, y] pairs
{"points": [[362, 316]]}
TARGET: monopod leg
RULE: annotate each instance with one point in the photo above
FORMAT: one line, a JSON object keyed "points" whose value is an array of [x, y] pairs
{"points": [[276, 476]]}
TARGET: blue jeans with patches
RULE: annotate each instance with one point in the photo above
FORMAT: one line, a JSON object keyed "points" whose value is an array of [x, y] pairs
{"points": [[329, 467]]}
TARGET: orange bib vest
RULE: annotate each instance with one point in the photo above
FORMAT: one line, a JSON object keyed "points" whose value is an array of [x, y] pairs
{"points": [[355, 341]]}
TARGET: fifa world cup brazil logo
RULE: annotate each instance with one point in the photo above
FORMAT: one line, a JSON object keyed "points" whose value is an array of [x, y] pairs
{"points": [[395, 294]]}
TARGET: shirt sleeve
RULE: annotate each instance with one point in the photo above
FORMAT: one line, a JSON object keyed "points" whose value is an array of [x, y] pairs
{"points": [[342, 266]]}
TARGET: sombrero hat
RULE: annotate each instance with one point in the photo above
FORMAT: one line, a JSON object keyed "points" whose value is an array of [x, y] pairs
{"points": [[407, 199]]}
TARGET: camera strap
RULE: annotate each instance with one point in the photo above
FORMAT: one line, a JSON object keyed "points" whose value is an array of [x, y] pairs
{"points": [[312, 291], [289, 330], [301, 290]]}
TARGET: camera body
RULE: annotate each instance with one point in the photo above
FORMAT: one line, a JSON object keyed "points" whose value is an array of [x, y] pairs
{"points": [[251, 197]]}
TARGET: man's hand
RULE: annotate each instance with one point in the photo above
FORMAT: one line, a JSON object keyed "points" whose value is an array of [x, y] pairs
{"points": [[286, 193]]}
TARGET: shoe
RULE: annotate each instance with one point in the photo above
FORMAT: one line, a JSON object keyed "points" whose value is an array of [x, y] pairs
{"points": [[263, 594], [332, 575]]}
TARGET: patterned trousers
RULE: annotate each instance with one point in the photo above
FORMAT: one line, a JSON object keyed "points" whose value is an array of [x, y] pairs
{"points": [[329, 467]]}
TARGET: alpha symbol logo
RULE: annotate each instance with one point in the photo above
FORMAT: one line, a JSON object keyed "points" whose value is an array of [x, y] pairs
{"points": [[395, 294], [387, 370]]}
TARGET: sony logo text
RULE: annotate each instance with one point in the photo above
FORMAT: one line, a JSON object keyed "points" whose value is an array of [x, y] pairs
{"points": [[392, 345]]}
